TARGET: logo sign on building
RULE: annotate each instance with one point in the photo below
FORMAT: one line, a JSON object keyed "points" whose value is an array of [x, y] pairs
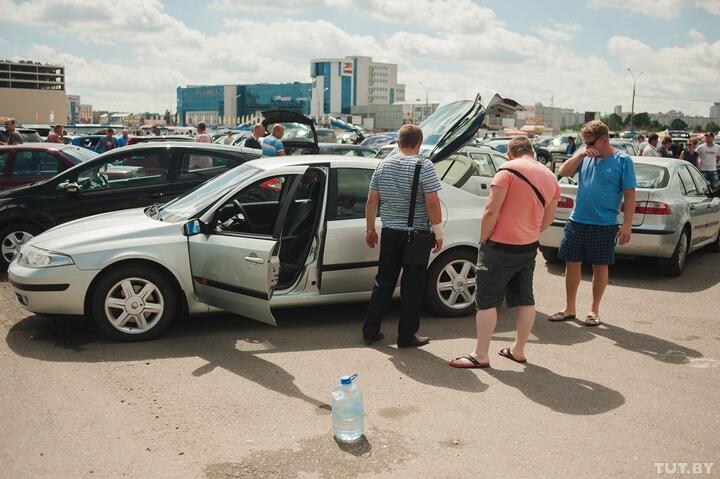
{"points": [[347, 69], [51, 116]]}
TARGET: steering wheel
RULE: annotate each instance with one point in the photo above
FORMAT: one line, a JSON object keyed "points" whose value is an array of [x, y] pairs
{"points": [[240, 209]]}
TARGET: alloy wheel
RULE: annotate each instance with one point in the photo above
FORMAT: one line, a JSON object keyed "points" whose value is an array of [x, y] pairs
{"points": [[134, 305], [683, 249], [456, 284], [12, 243]]}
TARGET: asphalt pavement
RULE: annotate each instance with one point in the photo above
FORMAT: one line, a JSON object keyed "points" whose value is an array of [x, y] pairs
{"points": [[222, 396]]}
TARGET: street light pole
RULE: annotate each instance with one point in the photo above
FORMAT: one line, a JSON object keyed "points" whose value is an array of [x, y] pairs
{"points": [[632, 107], [425, 112]]}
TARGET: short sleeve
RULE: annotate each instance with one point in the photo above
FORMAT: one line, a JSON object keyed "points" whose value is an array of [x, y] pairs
{"points": [[628, 175], [279, 146], [374, 181], [429, 180], [556, 193], [502, 179]]}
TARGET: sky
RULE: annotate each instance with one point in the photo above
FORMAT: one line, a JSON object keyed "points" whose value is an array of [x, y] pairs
{"points": [[131, 55]]}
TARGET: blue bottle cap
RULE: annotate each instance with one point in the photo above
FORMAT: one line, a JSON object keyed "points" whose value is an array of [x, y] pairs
{"points": [[348, 379]]}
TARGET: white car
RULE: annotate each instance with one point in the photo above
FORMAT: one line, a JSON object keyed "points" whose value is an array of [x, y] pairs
{"points": [[269, 233]]}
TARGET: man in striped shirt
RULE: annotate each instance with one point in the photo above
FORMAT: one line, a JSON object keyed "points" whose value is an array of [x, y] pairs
{"points": [[390, 189], [271, 144]]}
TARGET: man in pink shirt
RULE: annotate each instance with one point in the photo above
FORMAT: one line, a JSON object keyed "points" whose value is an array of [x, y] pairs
{"points": [[522, 202], [202, 135], [55, 135]]}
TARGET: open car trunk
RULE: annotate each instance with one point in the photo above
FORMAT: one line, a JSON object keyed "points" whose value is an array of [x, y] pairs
{"points": [[300, 136]]}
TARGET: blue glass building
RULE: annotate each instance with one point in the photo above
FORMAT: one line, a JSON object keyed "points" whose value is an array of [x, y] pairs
{"points": [[216, 104]]}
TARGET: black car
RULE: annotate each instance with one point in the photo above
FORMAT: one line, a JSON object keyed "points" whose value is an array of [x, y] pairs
{"points": [[129, 177]]}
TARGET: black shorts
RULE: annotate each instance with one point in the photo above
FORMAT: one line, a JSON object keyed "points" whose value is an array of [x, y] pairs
{"points": [[505, 275], [583, 243]]}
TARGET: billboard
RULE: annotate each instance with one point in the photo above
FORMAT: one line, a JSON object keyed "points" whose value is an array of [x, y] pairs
{"points": [[346, 69]]}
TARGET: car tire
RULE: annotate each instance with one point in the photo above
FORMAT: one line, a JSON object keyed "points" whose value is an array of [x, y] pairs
{"points": [[675, 265], [461, 287], [550, 255], [12, 237], [140, 314], [544, 158]]}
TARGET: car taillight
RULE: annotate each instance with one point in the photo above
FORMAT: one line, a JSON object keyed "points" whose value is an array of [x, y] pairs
{"points": [[565, 202], [650, 208]]}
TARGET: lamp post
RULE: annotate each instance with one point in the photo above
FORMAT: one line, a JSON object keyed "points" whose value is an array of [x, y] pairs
{"points": [[425, 111], [632, 107]]}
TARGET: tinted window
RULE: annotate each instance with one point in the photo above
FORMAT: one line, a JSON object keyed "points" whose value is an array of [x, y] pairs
{"points": [[194, 166], [35, 163], [352, 192], [138, 168], [687, 182], [700, 183], [484, 164]]}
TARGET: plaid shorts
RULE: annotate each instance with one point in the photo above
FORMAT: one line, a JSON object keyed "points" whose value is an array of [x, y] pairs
{"points": [[594, 244]]}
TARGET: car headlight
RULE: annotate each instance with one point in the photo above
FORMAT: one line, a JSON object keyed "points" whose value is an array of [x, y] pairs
{"points": [[33, 257]]}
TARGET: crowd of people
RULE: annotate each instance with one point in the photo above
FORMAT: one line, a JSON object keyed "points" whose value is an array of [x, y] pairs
{"points": [[704, 156]]}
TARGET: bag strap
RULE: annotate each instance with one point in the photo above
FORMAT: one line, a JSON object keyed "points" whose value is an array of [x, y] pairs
{"points": [[413, 193], [522, 177]]}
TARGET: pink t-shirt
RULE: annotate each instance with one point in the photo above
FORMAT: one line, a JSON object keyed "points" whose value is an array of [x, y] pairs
{"points": [[521, 214], [54, 138], [203, 138]]}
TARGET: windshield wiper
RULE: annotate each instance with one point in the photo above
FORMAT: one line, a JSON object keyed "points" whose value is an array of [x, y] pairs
{"points": [[153, 211]]}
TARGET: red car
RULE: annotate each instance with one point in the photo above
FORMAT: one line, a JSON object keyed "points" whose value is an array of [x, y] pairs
{"points": [[30, 162]]}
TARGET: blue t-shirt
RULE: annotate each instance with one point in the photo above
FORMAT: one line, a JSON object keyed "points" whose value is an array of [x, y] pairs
{"points": [[272, 146], [601, 182], [393, 180]]}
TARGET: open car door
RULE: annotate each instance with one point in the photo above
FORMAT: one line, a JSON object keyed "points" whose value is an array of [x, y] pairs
{"points": [[451, 127], [236, 269]]}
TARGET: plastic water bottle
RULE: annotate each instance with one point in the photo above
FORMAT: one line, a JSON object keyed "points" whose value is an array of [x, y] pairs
{"points": [[348, 420]]}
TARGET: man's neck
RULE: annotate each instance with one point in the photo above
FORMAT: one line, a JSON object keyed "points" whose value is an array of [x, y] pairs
{"points": [[605, 152], [408, 152]]}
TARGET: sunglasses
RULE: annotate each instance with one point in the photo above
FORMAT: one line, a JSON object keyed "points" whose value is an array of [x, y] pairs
{"points": [[592, 143]]}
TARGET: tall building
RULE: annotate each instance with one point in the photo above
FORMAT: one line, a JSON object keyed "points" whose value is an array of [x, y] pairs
{"points": [[551, 117], [73, 103], [339, 84], [715, 111], [32, 92], [86, 113], [227, 104]]}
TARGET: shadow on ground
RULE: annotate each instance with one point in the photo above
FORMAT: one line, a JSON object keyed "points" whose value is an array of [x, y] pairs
{"points": [[700, 273], [232, 343]]}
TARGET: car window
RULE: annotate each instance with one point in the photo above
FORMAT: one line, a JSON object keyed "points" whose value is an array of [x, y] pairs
{"points": [[453, 168], [254, 209], [35, 163], [194, 166], [687, 182], [3, 161], [484, 164], [135, 168], [352, 192], [699, 179], [366, 152], [651, 176]]}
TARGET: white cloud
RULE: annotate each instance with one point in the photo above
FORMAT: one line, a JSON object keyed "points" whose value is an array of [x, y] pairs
{"points": [[696, 35], [665, 9], [560, 32], [286, 6]]}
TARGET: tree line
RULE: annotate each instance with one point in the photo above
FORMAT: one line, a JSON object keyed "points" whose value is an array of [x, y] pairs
{"points": [[642, 121]]}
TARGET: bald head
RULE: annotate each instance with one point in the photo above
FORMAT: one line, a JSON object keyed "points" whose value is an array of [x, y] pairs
{"points": [[278, 131]]}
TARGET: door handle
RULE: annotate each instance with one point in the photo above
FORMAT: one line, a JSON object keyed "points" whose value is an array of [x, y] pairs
{"points": [[254, 259]]}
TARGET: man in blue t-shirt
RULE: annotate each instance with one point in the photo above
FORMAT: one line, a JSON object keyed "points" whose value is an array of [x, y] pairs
{"points": [[271, 144], [606, 179], [391, 193]]}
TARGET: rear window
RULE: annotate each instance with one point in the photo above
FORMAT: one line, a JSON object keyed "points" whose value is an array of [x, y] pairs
{"points": [[651, 176], [79, 154]]}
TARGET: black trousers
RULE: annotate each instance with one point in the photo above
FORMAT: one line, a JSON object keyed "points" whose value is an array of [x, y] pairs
{"points": [[392, 247]]}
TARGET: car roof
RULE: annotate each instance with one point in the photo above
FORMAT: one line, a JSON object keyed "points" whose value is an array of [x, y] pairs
{"points": [[659, 161], [38, 146], [269, 163], [189, 145]]}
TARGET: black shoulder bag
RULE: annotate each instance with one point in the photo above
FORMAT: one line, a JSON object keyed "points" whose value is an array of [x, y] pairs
{"points": [[417, 250], [522, 177]]}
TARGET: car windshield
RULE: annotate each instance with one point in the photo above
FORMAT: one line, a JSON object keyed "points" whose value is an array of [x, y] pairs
{"points": [[80, 154], [500, 145], [295, 131], [194, 202], [651, 176]]}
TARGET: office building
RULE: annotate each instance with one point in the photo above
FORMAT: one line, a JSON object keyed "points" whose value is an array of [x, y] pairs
{"points": [[86, 113], [73, 114], [550, 117], [32, 92], [229, 104], [339, 84], [715, 111]]}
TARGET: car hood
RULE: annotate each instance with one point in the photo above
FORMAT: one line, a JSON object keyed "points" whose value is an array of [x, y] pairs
{"points": [[83, 235]]}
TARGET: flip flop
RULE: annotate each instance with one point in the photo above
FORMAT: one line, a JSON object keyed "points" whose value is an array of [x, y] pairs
{"points": [[474, 363], [505, 352], [591, 320], [560, 316]]}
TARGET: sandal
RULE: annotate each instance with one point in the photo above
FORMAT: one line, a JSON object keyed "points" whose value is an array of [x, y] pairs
{"points": [[560, 316], [592, 320], [505, 352], [468, 363]]}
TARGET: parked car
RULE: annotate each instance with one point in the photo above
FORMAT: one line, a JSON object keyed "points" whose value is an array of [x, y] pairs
{"points": [[31, 162], [326, 135], [675, 214], [89, 142], [628, 146], [500, 143], [271, 232], [27, 135], [126, 177], [345, 149], [134, 140], [559, 143], [385, 150], [300, 136], [472, 168], [377, 141]]}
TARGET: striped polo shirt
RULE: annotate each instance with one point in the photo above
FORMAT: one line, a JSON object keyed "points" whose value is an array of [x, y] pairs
{"points": [[272, 146], [393, 180]]}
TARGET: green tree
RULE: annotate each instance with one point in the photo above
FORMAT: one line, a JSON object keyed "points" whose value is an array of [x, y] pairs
{"points": [[640, 120], [698, 129], [614, 122], [712, 126], [678, 124]]}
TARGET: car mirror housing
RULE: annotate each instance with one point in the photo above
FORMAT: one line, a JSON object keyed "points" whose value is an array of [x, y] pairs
{"points": [[193, 227], [72, 187]]}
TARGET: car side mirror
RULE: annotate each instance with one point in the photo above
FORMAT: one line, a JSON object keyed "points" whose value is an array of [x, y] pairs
{"points": [[72, 188], [193, 227]]}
